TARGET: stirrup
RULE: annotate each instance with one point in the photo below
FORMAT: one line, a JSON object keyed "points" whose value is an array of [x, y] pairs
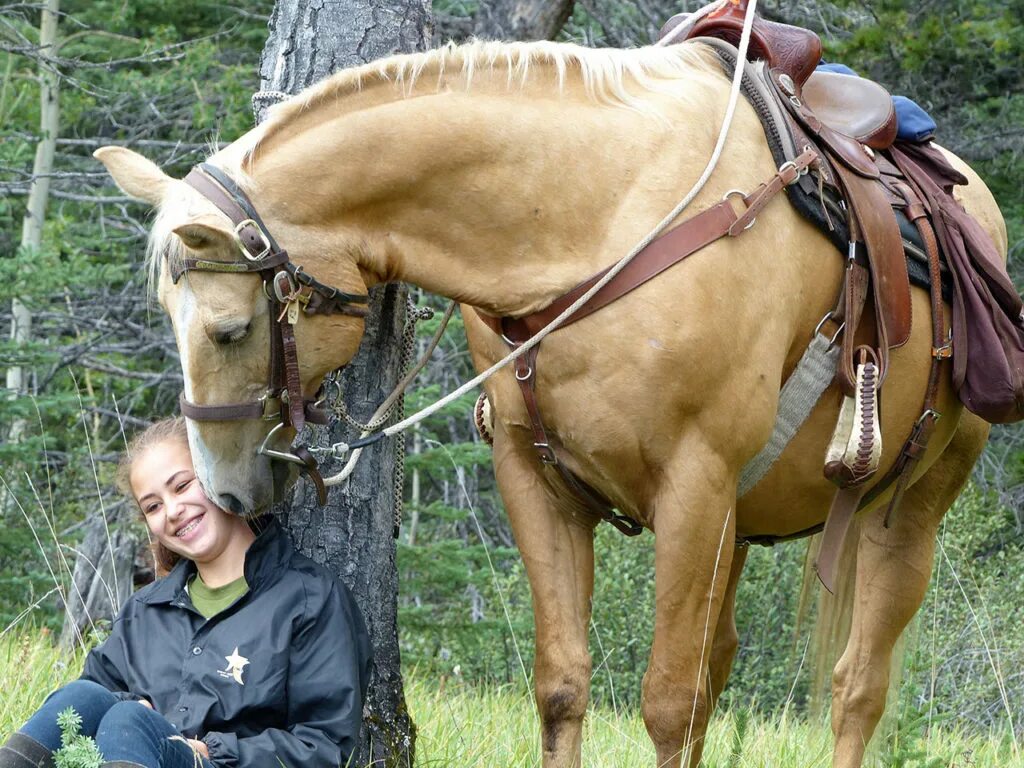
{"points": [[856, 447]]}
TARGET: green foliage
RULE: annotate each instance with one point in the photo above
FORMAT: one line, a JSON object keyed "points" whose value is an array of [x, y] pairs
{"points": [[169, 79], [76, 751]]}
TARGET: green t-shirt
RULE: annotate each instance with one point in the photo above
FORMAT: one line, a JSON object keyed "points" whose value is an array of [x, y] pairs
{"points": [[210, 602]]}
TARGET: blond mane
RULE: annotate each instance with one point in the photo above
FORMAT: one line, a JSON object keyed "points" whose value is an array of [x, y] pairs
{"points": [[605, 73]]}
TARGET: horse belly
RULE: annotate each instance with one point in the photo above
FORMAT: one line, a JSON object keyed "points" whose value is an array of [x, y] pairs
{"points": [[795, 495]]}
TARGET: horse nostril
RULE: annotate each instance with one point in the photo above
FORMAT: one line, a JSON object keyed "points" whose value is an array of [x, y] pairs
{"points": [[232, 504], [230, 332]]}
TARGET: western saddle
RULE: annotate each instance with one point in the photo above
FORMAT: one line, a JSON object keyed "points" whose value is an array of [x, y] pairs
{"points": [[836, 134]]}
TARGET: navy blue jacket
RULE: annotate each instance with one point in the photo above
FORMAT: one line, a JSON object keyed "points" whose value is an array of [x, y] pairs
{"points": [[278, 678]]}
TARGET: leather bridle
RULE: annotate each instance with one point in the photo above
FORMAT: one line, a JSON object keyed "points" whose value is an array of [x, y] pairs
{"points": [[288, 289]]}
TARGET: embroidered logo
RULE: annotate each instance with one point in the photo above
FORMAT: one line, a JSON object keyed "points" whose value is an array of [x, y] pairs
{"points": [[234, 667]]}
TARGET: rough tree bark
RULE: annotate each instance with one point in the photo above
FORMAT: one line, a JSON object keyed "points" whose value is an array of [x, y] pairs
{"points": [[110, 562], [521, 19], [354, 534], [506, 20]]}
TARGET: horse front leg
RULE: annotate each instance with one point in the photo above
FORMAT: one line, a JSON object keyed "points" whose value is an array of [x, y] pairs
{"points": [[694, 524], [558, 552], [894, 567]]}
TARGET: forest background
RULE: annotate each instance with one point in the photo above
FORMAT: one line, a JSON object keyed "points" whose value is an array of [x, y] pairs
{"points": [[172, 79]]}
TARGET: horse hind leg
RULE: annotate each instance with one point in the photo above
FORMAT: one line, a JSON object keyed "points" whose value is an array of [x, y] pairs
{"points": [[727, 640], [894, 567]]}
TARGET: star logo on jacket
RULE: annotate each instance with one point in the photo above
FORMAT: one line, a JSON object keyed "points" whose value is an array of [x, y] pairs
{"points": [[234, 668]]}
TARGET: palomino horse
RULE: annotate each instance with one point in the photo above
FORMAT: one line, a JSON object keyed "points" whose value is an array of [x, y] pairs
{"points": [[501, 176]]}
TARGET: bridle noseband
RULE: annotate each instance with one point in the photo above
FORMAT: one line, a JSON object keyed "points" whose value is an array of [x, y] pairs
{"points": [[288, 289]]}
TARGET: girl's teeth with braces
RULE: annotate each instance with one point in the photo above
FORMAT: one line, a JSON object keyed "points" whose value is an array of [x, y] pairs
{"points": [[188, 527]]}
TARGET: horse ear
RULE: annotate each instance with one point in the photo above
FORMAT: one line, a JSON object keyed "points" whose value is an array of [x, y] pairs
{"points": [[199, 236], [135, 175]]}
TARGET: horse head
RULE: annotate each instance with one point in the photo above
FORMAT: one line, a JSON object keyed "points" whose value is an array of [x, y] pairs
{"points": [[223, 323]]}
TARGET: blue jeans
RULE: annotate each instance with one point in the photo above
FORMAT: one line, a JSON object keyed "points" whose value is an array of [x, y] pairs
{"points": [[123, 730]]}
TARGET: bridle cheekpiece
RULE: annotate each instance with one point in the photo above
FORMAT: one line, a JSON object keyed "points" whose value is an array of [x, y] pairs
{"points": [[289, 290]]}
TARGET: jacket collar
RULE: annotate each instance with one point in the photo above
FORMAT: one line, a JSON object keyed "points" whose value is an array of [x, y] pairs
{"points": [[265, 559]]}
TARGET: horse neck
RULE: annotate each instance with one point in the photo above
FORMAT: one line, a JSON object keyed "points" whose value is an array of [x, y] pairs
{"points": [[500, 199]]}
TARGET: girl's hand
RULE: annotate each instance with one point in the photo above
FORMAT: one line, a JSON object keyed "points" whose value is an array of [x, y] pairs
{"points": [[200, 747], [145, 703]]}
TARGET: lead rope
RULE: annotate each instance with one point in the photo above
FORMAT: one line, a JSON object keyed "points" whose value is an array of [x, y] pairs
{"points": [[413, 315], [339, 450], [394, 404]]}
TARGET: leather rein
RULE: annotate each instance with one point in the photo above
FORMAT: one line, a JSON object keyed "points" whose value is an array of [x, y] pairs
{"points": [[288, 289]]}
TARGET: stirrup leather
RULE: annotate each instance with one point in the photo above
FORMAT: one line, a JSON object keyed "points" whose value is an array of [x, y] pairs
{"points": [[856, 446]]}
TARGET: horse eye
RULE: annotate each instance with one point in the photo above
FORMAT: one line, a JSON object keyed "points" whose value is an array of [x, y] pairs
{"points": [[229, 333]]}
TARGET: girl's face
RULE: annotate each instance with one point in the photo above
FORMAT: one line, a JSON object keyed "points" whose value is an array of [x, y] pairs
{"points": [[174, 506]]}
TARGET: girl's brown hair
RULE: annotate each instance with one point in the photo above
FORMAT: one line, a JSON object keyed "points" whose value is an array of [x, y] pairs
{"points": [[167, 430]]}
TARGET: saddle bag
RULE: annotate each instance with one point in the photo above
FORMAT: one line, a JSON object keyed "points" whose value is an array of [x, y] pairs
{"points": [[988, 326]]}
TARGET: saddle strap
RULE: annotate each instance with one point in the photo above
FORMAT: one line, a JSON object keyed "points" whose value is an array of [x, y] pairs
{"points": [[881, 235], [844, 506], [526, 376], [917, 443], [855, 295], [675, 245], [846, 501]]}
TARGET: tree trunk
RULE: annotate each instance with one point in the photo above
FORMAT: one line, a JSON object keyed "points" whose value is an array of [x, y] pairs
{"points": [[354, 536], [39, 192], [506, 20], [109, 564], [521, 19]]}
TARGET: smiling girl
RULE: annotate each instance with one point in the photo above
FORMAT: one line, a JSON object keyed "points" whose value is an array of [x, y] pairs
{"points": [[245, 654]]}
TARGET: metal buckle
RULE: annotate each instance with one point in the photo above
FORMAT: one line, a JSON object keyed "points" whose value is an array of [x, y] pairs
{"points": [[825, 319], [269, 402], [742, 196], [930, 413], [800, 173], [245, 251], [292, 287]]}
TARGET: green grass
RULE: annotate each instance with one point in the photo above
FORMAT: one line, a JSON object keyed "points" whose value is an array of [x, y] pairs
{"points": [[462, 726]]}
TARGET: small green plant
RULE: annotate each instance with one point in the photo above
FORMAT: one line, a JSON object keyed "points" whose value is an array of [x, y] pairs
{"points": [[76, 751]]}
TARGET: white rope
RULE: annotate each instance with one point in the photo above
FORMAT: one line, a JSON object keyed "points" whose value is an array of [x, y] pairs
{"points": [[690, 20], [384, 408], [610, 275]]}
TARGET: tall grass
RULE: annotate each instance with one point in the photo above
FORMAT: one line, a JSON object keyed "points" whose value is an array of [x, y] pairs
{"points": [[463, 727], [460, 725]]}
